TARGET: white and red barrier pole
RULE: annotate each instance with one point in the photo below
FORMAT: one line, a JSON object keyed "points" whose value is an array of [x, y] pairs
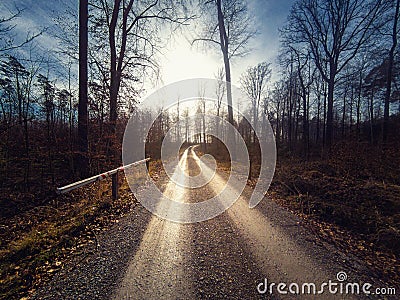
{"points": [[113, 173]]}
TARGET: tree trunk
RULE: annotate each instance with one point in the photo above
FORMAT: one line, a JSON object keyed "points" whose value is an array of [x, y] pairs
{"points": [[278, 127], [283, 125], [324, 121], [304, 96], [71, 123], [317, 137], [390, 75], [329, 114], [83, 161], [351, 109], [290, 112], [344, 113], [224, 48], [114, 86], [204, 126], [358, 109], [371, 116]]}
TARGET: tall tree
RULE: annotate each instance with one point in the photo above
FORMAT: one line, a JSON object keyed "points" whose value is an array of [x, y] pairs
{"points": [[48, 91], [228, 25], [131, 30], [390, 71], [83, 160], [220, 93], [305, 79]]}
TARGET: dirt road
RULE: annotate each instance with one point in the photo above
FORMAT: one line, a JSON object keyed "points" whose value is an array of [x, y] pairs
{"points": [[242, 254]]}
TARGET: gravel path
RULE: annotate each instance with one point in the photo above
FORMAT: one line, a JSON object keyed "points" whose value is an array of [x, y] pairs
{"points": [[227, 257]]}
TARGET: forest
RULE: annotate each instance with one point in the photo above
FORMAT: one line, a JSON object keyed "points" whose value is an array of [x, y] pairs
{"points": [[332, 97]]}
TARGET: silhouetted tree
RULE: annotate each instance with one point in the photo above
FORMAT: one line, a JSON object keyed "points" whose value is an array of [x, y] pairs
{"points": [[390, 70], [83, 160], [228, 25]]}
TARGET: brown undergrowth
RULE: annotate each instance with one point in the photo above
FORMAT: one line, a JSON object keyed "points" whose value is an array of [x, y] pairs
{"points": [[351, 199], [37, 242]]}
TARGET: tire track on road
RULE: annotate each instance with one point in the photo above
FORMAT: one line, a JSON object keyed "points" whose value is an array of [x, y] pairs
{"points": [[160, 267], [277, 254]]}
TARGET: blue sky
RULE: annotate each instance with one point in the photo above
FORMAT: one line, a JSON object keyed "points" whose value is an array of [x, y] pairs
{"points": [[178, 55]]}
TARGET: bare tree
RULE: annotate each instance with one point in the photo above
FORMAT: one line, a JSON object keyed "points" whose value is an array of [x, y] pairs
{"points": [[228, 25], [276, 104], [220, 93], [185, 115], [254, 81], [202, 110], [305, 78], [390, 71], [178, 126], [83, 160], [131, 31]]}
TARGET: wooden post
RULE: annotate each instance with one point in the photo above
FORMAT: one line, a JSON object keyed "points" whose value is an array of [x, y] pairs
{"points": [[251, 166], [115, 186]]}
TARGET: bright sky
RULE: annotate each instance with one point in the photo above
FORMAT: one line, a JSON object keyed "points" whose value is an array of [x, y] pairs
{"points": [[181, 60]]}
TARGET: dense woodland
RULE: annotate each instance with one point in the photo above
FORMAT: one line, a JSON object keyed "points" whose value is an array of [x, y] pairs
{"points": [[338, 65]]}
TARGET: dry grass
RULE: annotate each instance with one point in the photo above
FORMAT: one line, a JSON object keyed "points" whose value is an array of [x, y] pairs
{"points": [[352, 198], [37, 242]]}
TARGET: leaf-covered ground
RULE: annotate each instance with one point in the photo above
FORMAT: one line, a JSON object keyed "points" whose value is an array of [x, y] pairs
{"points": [[351, 199], [37, 242]]}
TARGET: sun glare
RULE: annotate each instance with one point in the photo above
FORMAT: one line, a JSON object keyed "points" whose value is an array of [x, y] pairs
{"points": [[181, 61]]}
